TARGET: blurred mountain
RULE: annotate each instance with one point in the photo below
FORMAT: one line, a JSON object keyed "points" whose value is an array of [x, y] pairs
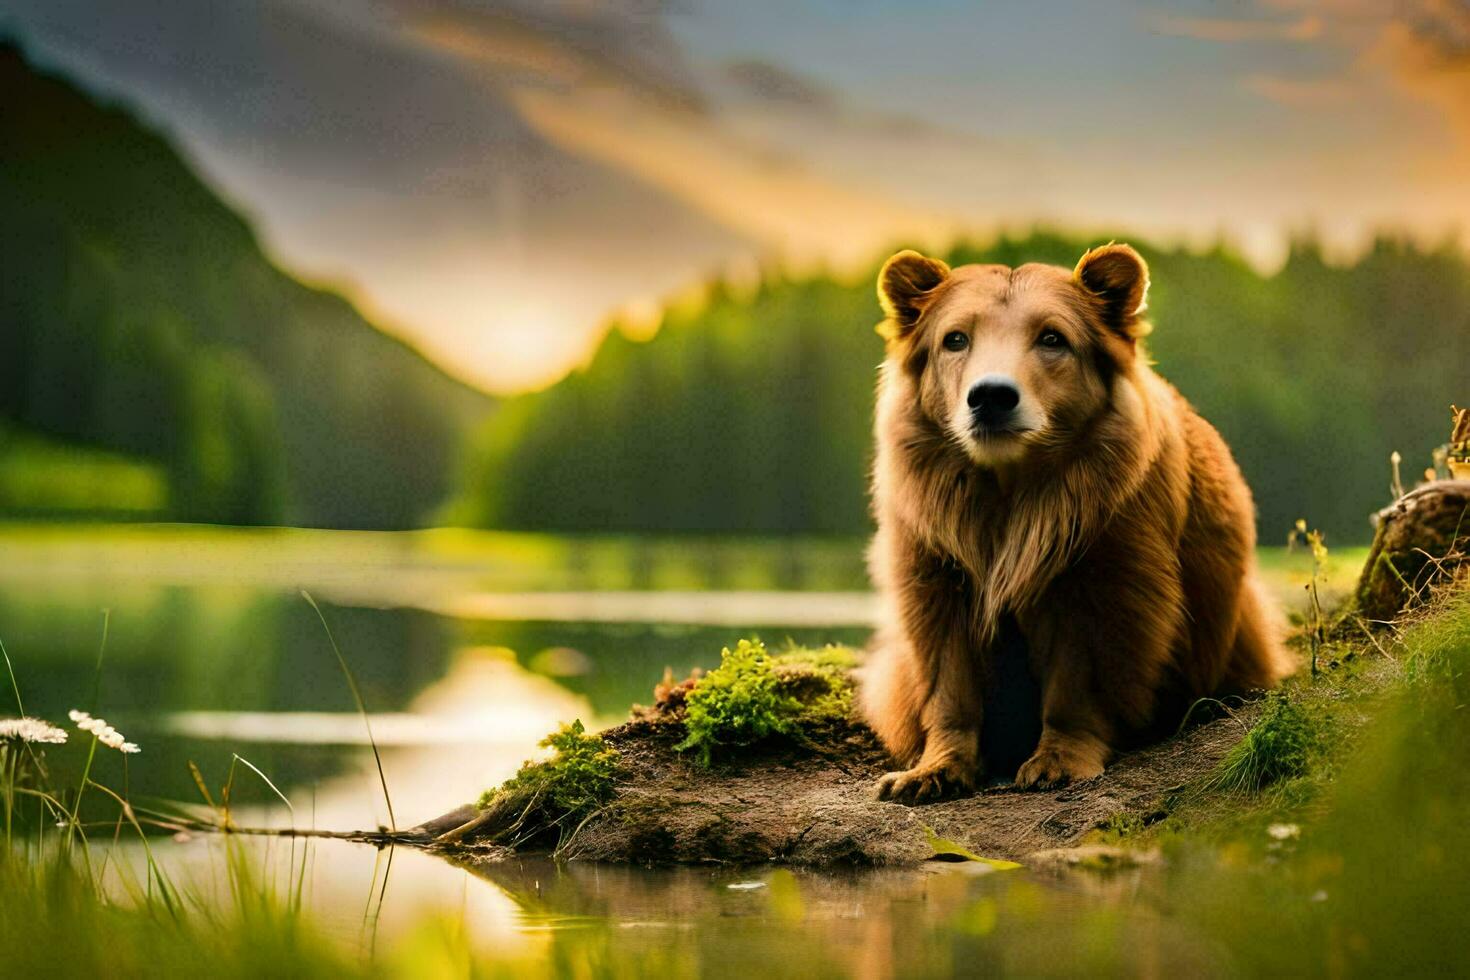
{"points": [[138, 315], [751, 411]]}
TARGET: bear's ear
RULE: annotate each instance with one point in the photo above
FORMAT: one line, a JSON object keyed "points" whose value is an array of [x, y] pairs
{"points": [[1118, 276], [904, 286]]}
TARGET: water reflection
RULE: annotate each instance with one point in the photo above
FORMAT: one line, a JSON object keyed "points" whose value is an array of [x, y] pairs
{"points": [[480, 721], [211, 652], [937, 920], [584, 920]]}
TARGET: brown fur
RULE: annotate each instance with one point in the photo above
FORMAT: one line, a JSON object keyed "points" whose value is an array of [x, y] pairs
{"points": [[1114, 526]]}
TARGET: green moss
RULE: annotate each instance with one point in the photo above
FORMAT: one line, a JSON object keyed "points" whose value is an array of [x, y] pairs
{"points": [[820, 679], [573, 783], [833, 658], [738, 703], [753, 696], [1278, 747]]}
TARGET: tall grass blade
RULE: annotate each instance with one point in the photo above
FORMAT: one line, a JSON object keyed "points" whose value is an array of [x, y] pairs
{"points": [[14, 684], [267, 780], [12, 761], [382, 894], [92, 749], [97, 672], [199, 782], [224, 794], [156, 875], [361, 707]]}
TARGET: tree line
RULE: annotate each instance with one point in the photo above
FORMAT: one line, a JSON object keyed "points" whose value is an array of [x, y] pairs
{"points": [[751, 410]]}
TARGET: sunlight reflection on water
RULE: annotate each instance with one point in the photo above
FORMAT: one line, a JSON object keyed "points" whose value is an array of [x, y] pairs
{"points": [[213, 652]]}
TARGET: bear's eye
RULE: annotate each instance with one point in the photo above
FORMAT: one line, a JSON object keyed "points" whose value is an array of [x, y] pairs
{"points": [[956, 340], [1052, 338]]}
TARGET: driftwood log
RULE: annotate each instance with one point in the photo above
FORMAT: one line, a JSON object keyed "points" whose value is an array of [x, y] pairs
{"points": [[1422, 540]]}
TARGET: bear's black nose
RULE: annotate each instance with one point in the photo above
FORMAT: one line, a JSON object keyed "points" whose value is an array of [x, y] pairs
{"points": [[992, 399]]}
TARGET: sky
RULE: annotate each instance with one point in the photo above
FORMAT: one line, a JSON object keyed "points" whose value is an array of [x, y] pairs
{"points": [[494, 179]]}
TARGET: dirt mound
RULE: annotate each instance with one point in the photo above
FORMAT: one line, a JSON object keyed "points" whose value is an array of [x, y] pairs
{"points": [[812, 803]]}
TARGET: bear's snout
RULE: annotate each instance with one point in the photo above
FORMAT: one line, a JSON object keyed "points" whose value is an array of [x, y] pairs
{"points": [[993, 400]]}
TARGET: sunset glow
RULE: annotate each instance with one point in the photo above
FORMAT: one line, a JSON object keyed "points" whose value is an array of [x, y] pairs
{"points": [[581, 177]]}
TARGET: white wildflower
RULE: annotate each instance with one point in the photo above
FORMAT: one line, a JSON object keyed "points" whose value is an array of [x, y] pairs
{"points": [[30, 730], [103, 732], [1284, 831]]}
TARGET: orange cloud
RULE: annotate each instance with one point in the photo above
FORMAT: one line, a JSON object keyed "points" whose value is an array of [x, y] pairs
{"points": [[510, 48], [578, 44], [773, 200], [1429, 54], [1231, 30]]}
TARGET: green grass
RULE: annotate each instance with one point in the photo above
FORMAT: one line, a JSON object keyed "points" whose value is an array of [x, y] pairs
{"points": [[1278, 746], [557, 794], [55, 921], [1437, 648], [1380, 874]]}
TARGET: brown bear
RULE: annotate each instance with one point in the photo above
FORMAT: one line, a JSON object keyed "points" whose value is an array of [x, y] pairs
{"points": [[1035, 477]]}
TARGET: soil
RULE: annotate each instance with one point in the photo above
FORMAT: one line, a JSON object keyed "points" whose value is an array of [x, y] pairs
{"points": [[813, 804]]}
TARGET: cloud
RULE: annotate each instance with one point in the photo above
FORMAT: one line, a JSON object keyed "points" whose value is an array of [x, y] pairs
{"points": [[1416, 49], [611, 90], [1428, 50], [497, 174], [1301, 93], [1230, 30], [618, 42], [767, 82], [519, 52], [763, 100], [770, 197]]}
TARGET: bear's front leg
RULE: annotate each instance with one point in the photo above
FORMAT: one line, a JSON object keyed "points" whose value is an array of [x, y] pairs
{"points": [[950, 762], [1099, 652], [935, 618], [1063, 757], [1076, 727]]}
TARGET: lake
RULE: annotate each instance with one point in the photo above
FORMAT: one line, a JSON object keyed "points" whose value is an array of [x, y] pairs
{"points": [[468, 647]]}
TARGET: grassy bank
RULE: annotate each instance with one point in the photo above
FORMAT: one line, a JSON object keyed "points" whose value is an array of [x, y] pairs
{"points": [[1288, 766], [1333, 837]]}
